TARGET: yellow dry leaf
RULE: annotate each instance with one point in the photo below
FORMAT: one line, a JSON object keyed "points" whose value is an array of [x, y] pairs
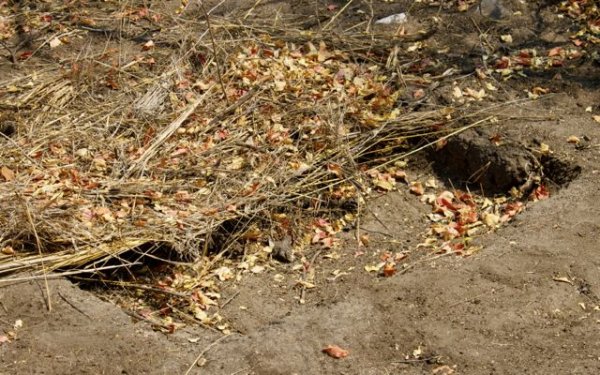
{"points": [[7, 173], [491, 220], [545, 149], [54, 43], [478, 95], [280, 85], [457, 92], [387, 184], [306, 284], [374, 268], [8, 250], [563, 279], [431, 183], [223, 273], [236, 164]]}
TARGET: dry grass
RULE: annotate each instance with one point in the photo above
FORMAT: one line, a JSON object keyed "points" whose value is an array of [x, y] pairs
{"points": [[197, 148]]}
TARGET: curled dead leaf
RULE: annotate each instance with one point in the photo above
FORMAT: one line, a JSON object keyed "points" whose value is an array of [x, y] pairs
{"points": [[7, 174], [417, 188], [8, 250], [335, 351], [389, 269]]}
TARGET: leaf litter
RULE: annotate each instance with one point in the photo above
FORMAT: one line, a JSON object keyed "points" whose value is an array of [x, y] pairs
{"points": [[213, 154]]}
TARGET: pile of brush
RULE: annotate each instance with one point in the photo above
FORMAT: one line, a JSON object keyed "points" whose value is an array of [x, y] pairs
{"points": [[242, 133]]}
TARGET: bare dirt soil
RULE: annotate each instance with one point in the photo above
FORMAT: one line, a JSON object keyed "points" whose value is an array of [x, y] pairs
{"points": [[527, 303]]}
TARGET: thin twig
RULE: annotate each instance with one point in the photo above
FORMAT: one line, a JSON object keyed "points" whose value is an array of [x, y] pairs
{"points": [[230, 299], [214, 48], [337, 15], [203, 352], [418, 360], [73, 306], [39, 248], [427, 145], [306, 270], [427, 259], [60, 275], [164, 135]]}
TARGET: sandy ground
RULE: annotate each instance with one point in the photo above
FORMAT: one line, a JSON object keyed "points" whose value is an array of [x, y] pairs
{"points": [[526, 304]]}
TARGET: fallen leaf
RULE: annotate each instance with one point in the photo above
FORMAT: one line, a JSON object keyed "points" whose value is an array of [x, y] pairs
{"points": [[335, 351], [563, 279], [374, 268], [385, 182], [477, 95], [417, 188], [7, 173], [443, 370], [55, 43], [389, 269], [491, 220], [418, 94], [8, 250], [306, 284], [418, 352], [148, 45], [364, 240], [224, 273], [540, 193], [556, 51], [431, 183]]}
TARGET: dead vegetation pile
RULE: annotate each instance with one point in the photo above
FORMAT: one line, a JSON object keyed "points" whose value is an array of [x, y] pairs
{"points": [[218, 137]]}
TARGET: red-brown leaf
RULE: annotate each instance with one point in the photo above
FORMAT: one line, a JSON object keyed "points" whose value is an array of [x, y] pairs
{"points": [[335, 351]]}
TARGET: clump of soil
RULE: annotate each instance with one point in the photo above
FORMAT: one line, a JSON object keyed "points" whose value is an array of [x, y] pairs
{"points": [[471, 158], [485, 161]]}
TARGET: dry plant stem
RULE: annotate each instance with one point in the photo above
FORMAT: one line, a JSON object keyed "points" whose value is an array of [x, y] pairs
{"points": [[428, 259], [13, 57], [450, 135], [249, 12], [230, 299], [214, 48], [9, 139], [371, 18], [203, 352], [193, 320], [16, 280], [39, 248], [73, 306], [358, 213], [145, 287], [337, 15], [163, 136], [418, 360], [310, 266], [153, 322]]}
